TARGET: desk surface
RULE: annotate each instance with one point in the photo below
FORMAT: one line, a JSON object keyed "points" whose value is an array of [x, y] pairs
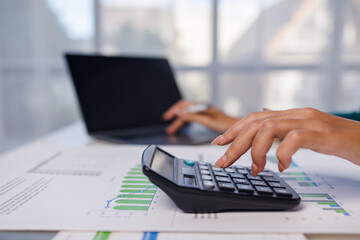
{"points": [[75, 135]]}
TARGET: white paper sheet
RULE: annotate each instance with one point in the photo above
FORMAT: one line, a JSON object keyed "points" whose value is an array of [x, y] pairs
{"points": [[79, 189]]}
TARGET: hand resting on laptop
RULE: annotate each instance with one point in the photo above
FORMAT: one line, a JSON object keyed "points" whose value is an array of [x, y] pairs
{"points": [[212, 118]]}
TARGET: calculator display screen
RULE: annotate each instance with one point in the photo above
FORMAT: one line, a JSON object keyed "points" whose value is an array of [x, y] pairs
{"points": [[163, 164]]}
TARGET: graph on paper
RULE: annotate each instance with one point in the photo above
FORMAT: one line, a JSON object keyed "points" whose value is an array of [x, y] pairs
{"points": [[120, 197], [307, 185], [308, 189], [135, 194]]}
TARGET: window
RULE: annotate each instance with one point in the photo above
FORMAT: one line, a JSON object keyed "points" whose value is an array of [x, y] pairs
{"points": [[241, 55], [35, 91], [244, 55]]}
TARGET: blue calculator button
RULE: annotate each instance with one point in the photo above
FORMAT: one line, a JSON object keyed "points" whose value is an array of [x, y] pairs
{"points": [[189, 163]]}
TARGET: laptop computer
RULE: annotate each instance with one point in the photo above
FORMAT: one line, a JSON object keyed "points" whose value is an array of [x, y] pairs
{"points": [[122, 99]]}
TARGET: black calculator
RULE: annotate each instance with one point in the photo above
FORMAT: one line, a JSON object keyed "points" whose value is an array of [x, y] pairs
{"points": [[199, 187]]}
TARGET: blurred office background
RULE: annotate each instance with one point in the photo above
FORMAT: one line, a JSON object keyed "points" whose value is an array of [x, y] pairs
{"points": [[241, 55]]}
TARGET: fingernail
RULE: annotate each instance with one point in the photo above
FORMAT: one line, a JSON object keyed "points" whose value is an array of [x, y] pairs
{"points": [[218, 140], [281, 167], [254, 169], [221, 161]]}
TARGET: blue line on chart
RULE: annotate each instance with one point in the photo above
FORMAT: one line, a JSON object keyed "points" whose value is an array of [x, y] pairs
{"points": [[124, 195]]}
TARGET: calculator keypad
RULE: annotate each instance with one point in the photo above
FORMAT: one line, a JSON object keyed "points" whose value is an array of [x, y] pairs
{"points": [[240, 180]]}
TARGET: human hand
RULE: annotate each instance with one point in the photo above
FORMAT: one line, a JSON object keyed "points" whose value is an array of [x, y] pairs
{"points": [[212, 118], [305, 127]]}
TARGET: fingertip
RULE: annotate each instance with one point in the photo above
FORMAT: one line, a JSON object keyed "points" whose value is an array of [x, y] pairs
{"points": [[221, 161], [166, 116], [218, 140], [170, 130], [254, 169], [167, 131], [281, 167]]}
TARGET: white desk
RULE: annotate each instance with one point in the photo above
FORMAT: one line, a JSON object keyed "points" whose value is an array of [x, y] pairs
{"points": [[75, 135]]}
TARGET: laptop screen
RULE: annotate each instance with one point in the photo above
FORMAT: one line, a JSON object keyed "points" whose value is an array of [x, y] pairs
{"points": [[122, 92]]}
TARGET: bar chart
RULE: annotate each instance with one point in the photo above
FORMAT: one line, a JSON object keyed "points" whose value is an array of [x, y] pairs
{"points": [[302, 179], [136, 192], [325, 201]]}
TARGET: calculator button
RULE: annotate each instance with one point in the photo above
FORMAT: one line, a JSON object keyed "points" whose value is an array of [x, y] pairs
{"points": [[258, 183], [282, 192], [203, 167], [240, 180], [275, 184], [245, 188], [189, 181], [222, 179], [189, 163], [226, 186], [242, 171], [239, 167], [220, 174], [188, 171], [263, 190], [251, 177], [202, 163], [229, 170], [236, 175], [205, 172], [265, 174], [217, 169], [206, 177], [271, 179], [208, 184]]}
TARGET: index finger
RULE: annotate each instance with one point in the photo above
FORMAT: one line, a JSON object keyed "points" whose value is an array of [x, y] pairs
{"points": [[232, 132]]}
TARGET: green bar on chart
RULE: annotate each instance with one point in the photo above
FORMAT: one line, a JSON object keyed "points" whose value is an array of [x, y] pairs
{"points": [[137, 196], [316, 195], [307, 184], [136, 186], [133, 201], [135, 177], [136, 170], [131, 208], [136, 190], [294, 174], [136, 173], [102, 236], [133, 181], [341, 211], [327, 203]]}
